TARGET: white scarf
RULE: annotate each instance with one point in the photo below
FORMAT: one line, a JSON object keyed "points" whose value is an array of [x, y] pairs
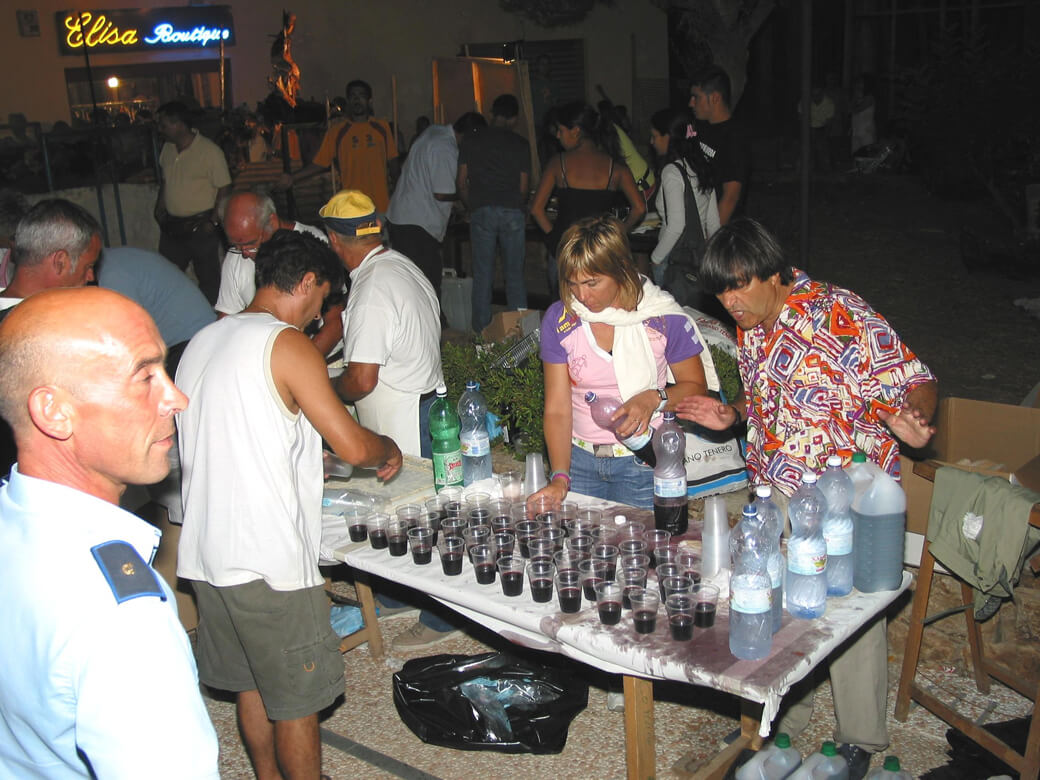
{"points": [[632, 352]]}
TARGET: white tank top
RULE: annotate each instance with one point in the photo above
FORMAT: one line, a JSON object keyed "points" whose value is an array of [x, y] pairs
{"points": [[252, 470]]}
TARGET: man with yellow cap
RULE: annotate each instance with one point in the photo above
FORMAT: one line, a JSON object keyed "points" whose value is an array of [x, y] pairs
{"points": [[391, 352], [391, 327]]}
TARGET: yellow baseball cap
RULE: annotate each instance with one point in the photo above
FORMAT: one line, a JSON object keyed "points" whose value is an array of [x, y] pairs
{"points": [[351, 213]]}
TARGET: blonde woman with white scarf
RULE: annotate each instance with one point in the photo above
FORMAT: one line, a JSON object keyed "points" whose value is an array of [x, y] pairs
{"points": [[617, 334]]}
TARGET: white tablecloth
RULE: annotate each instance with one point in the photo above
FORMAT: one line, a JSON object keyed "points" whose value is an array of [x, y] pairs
{"points": [[705, 660]]}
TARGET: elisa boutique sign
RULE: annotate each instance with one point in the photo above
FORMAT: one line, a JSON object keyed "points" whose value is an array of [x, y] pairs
{"points": [[150, 29]]}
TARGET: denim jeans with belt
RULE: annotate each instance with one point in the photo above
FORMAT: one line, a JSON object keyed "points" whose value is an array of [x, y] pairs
{"points": [[490, 226], [626, 480]]}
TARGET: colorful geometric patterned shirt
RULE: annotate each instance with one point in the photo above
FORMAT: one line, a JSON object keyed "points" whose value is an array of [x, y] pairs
{"points": [[816, 381]]}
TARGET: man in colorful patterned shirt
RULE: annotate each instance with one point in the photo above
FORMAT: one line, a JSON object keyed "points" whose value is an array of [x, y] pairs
{"points": [[823, 373]]}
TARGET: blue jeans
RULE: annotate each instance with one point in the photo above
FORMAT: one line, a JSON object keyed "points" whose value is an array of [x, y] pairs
{"points": [[490, 226], [625, 480]]}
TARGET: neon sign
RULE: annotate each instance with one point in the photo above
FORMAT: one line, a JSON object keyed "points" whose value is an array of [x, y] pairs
{"points": [[182, 27]]}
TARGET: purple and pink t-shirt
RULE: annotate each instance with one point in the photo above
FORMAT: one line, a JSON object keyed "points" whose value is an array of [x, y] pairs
{"points": [[567, 339]]}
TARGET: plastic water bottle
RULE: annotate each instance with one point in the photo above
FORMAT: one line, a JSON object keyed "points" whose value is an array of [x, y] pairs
{"points": [[772, 527], [603, 408], [824, 765], [890, 771], [775, 760], [447, 453], [747, 533], [807, 551], [473, 436], [750, 600], [671, 506], [879, 526], [838, 489]]}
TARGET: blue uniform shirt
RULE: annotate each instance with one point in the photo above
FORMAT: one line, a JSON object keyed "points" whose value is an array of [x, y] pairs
{"points": [[92, 657]]}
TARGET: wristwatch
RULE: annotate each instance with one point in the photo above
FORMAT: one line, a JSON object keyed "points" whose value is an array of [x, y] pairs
{"points": [[664, 398]]}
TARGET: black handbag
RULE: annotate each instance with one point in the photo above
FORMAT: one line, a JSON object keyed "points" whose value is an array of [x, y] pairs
{"points": [[683, 263]]}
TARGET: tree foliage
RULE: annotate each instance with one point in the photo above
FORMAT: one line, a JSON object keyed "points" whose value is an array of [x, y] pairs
{"points": [[552, 13], [716, 32]]}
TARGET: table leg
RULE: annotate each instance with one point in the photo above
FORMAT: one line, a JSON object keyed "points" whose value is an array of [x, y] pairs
{"points": [[716, 767], [371, 632], [640, 740]]}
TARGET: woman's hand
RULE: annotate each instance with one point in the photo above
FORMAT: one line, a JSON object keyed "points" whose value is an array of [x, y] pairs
{"points": [[703, 410], [637, 411], [909, 425], [555, 492]]}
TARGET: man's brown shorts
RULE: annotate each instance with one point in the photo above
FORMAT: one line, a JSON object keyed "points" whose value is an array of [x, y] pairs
{"points": [[277, 642]]}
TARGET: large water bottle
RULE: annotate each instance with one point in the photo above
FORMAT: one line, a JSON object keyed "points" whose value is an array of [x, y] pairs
{"points": [[447, 453], [772, 527], [837, 488], [603, 408], [807, 551], [473, 436], [879, 526], [750, 601], [890, 771], [827, 764], [671, 506], [774, 761]]}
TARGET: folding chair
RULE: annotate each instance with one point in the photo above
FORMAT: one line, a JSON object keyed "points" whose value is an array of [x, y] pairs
{"points": [[1027, 763]]}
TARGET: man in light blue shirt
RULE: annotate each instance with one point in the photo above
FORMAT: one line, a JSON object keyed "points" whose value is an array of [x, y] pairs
{"points": [[97, 677]]}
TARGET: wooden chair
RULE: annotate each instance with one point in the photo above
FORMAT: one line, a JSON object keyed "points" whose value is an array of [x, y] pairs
{"points": [[1027, 763]]}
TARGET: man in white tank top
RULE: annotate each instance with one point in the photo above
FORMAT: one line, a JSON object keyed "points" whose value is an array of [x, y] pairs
{"points": [[252, 487]]}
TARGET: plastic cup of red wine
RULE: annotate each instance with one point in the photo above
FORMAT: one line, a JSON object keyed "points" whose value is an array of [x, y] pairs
{"points": [[377, 530], [706, 600], [483, 558], [474, 535], [608, 603], [540, 579], [357, 525], [452, 550], [420, 541], [409, 513], [632, 547], [680, 609], [511, 574], [592, 573], [670, 585], [397, 536], [645, 602], [504, 543], [581, 544], [629, 579], [568, 590]]}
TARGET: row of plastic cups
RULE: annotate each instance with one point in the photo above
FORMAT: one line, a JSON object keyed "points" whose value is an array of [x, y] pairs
{"points": [[685, 611]]}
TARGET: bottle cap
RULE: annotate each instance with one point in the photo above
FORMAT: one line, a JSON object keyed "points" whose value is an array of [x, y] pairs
{"points": [[590, 397], [859, 457], [829, 749], [834, 460], [750, 510], [472, 385], [668, 416], [442, 391], [782, 741], [808, 478], [891, 764], [764, 491]]}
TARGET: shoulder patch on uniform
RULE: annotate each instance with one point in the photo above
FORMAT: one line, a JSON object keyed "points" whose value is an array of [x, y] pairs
{"points": [[127, 574]]}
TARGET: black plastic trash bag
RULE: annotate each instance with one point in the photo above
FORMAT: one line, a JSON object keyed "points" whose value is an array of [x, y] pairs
{"points": [[490, 701]]}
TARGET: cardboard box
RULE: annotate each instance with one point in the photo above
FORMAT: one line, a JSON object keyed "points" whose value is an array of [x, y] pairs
{"points": [[512, 323], [993, 439]]}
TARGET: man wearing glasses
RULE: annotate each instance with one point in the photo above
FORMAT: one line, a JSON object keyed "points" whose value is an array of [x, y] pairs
{"points": [[250, 219]]}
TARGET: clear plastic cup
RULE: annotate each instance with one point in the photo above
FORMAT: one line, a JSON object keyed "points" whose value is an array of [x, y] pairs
{"points": [[645, 602], [540, 580], [680, 609], [511, 573], [397, 536], [593, 572], [568, 590], [608, 602], [420, 541], [483, 558], [452, 550]]}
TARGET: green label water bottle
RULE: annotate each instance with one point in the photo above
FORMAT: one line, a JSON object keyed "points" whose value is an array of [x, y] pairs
{"points": [[444, 429]]}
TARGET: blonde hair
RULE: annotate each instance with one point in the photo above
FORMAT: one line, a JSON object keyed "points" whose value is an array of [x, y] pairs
{"points": [[598, 246]]}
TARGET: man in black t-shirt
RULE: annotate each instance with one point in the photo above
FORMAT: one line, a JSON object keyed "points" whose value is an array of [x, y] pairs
{"points": [[493, 174], [722, 140]]}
